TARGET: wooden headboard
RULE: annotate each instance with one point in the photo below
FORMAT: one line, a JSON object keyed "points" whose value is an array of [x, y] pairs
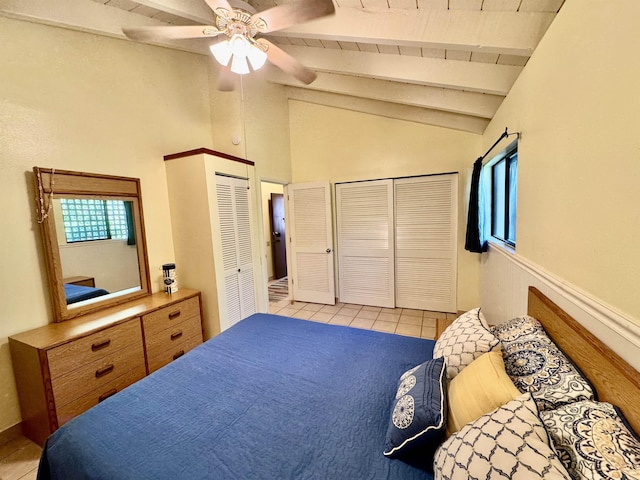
{"points": [[615, 380]]}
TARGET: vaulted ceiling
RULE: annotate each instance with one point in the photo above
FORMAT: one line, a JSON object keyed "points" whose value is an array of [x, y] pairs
{"points": [[442, 62]]}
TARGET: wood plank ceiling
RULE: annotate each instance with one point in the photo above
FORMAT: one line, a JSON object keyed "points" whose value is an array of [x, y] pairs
{"points": [[442, 62]]}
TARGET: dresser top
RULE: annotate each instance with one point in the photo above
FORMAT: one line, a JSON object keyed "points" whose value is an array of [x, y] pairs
{"points": [[54, 334]]}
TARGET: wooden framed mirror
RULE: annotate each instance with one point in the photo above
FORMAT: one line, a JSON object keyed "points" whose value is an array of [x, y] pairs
{"points": [[94, 242]]}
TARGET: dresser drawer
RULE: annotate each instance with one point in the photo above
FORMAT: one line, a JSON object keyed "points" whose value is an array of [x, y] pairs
{"points": [[66, 412], [168, 338], [68, 357], [167, 317], [83, 380], [173, 353]]}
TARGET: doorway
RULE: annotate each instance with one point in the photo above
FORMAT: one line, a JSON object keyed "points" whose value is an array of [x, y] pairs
{"points": [[278, 235], [275, 238]]}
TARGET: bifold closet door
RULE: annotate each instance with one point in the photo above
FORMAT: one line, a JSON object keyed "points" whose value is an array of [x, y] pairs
{"points": [[365, 242], [235, 233], [426, 212]]}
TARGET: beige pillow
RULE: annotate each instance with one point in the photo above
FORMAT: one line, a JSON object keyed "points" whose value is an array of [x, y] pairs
{"points": [[479, 389]]}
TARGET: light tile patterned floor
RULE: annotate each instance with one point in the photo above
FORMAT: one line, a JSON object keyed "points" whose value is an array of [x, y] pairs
{"points": [[19, 456], [401, 321]]}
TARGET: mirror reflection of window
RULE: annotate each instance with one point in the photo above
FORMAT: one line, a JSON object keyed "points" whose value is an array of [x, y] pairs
{"points": [[97, 219]]}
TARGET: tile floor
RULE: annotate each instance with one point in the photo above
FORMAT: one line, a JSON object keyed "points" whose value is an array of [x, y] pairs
{"points": [[19, 456], [401, 321]]}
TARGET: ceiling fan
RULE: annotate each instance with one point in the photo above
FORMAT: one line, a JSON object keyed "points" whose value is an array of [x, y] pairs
{"points": [[235, 29]]}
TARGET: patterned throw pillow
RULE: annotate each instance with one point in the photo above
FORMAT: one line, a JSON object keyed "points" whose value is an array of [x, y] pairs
{"points": [[419, 412], [508, 443], [517, 327], [594, 441], [537, 365], [464, 340]]}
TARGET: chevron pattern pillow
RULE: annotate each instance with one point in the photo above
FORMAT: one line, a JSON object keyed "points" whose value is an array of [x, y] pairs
{"points": [[509, 443], [464, 340]]}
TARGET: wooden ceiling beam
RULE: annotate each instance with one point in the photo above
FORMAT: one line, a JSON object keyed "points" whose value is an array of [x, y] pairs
{"points": [[408, 113], [92, 17], [470, 76], [196, 11], [436, 98], [512, 33]]}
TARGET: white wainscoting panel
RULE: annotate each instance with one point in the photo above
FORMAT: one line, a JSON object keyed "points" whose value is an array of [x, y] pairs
{"points": [[505, 278]]}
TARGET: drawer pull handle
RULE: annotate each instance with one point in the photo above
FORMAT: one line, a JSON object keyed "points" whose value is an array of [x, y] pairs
{"points": [[101, 372], [106, 395], [176, 335], [179, 354], [175, 314], [100, 345]]}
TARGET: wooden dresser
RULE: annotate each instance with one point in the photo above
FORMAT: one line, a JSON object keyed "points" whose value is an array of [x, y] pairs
{"points": [[63, 369]]}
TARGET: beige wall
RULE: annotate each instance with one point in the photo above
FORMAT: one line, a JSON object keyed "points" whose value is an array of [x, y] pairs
{"points": [[77, 101], [256, 115], [335, 145], [578, 108]]}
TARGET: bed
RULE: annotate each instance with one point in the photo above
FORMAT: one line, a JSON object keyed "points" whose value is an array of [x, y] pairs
{"points": [[280, 398], [272, 397], [78, 293]]}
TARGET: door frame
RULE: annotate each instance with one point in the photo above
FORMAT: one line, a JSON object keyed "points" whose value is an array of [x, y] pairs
{"points": [[274, 248], [267, 235]]}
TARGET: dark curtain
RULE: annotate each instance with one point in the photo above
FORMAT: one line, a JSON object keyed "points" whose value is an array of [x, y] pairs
{"points": [[131, 227], [473, 241]]}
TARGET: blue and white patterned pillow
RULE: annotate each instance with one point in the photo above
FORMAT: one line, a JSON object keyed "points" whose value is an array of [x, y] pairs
{"points": [[508, 443], [535, 364], [464, 340], [419, 412], [594, 441], [516, 328]]}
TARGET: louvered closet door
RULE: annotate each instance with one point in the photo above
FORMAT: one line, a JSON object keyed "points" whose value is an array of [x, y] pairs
{"points": [[426, 211], [235, 235], [365, 242], [311, 231]]}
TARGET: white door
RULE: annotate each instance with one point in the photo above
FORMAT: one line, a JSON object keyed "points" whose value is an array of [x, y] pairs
{"points": [[365, 242], [426, 213], [310, 232], [235, 234]]}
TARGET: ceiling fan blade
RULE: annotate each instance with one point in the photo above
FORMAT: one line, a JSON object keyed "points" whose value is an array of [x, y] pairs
{"points": [[289, 14], [170, 32], [214, 4], [226, 79], [287, 63]]}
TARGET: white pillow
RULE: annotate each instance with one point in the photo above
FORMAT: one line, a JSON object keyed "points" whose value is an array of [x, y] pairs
{"points": [[464, 340], [510, 443]]}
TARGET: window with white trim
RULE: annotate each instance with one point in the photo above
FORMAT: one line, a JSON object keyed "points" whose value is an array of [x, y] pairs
{"points": [[504, 197]]}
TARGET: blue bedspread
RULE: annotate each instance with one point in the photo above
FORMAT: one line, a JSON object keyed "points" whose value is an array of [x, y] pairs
{"points": [[79, 293], [270, 398]]}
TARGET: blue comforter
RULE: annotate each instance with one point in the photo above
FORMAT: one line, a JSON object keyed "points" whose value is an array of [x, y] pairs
{"points": [[79, 293], [270, 398]]}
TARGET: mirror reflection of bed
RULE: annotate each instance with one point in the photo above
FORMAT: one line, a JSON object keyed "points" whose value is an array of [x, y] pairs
{"points": [[81, 288]]}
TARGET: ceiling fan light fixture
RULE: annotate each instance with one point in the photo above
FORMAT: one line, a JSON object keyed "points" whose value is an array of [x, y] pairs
{"points": [[239, 65], [257, 57], [222, 52]]}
